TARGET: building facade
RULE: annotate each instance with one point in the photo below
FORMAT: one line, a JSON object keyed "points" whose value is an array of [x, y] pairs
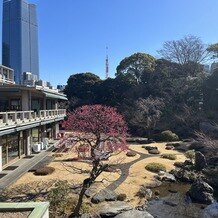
{"points": [[20, 38], [29, 120]]}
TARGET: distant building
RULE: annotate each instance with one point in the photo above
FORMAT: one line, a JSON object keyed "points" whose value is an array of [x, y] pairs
{"points": [[6, 75], [61, 87], [214, 66], [20, 38], [206, 69]]}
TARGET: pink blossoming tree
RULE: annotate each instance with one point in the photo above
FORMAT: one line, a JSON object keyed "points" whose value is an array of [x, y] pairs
{"points": [[104, 130]]}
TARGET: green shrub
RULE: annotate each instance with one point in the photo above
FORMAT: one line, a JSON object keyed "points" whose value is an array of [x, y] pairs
{"points": [[44, 171], [168, 136], [60, 202], [169, 156], [190, 155], [155, 167], [121, 197]]}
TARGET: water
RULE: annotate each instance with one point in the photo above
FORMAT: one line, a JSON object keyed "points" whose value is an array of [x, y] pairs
{"points": [[174, 193]]}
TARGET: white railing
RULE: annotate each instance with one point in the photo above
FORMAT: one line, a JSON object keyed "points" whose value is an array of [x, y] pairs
{"points": [[6, 81], [22, 117]]}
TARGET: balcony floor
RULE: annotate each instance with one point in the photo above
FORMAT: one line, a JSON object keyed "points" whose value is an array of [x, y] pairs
{"points": [[21, 167]]}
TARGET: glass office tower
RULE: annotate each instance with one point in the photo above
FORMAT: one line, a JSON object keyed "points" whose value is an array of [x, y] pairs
{"points": [[20, 38]]}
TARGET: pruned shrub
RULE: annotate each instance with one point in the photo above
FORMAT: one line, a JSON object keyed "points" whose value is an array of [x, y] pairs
{"points": [[154, 151], [155, 167], [44, 171], [169, 156], [130, 154], [168, 136], [121, 197]]}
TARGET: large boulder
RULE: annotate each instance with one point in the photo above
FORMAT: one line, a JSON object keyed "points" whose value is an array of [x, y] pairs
{"points": [[184, 175], [211, 211], [114, 208], [167, 177], [200, 161], [201, 192], [104, 195], [134, 214]]}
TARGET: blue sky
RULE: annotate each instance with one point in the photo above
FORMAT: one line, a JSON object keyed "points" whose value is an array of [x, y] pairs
{"points": [[73, 34]]}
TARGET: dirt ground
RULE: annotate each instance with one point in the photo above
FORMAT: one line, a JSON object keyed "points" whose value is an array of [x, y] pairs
{"points": [[137, 176]]}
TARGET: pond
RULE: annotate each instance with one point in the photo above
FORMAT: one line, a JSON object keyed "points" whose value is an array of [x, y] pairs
{"points": [[173, 202]]}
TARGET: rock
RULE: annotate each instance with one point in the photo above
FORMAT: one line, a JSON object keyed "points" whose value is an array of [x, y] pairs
{"points": [[114, 208], [134, 214], [201, 192], [148, 148], [142, 207], [200, 161], [183, 146], [184, 175], [148, 193], [169, 147], [170, 203], [121, 197], [213, 161], [179, 164], [155, 184], [161, 173], [211, 211], [154, 151], [168, 177], [89, 215], [172, 191], [130, 154], [187, 140], [104, 195]]}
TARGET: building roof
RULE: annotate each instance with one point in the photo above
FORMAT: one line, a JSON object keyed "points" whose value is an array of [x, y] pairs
{"points": [[49, 93]]}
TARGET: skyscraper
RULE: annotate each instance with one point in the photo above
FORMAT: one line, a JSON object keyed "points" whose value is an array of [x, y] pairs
{"points": [[20, 38]]}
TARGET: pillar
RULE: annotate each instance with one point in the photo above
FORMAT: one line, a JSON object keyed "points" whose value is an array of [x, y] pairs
{"points": [[28, 139], [25, 101], [0, 154]]}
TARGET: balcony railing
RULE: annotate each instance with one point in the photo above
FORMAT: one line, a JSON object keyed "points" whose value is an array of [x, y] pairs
{"points": [[6, 81], [25, 117]]}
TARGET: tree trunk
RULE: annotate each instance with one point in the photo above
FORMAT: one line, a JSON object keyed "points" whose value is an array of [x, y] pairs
{"points": [[86, 184]]}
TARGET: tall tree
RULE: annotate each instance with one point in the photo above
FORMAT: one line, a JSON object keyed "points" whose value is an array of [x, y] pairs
{"points": [[80, 88], [103, 129], [136, 67], [183, 51]]}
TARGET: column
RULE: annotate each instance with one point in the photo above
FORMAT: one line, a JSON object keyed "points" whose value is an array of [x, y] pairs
{"points": [[25, 101], [28, 139], [0, 154]]}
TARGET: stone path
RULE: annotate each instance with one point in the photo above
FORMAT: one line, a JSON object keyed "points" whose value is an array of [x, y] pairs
{"points": [[125, 169]]}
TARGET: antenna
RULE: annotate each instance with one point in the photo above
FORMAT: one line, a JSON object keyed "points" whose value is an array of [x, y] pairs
{"points": [[107, 64]]}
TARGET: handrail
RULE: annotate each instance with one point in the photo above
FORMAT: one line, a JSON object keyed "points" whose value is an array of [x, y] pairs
{"points": [[17, 117]]}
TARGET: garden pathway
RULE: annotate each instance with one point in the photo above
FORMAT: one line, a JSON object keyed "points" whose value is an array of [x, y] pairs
{"points": [[125, 167]]}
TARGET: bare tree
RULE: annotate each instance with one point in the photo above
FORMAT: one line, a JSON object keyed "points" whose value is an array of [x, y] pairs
{"points": [[183, 51]]}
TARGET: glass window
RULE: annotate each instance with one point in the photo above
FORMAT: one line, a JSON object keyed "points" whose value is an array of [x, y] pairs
{"points": [[13, 148]]}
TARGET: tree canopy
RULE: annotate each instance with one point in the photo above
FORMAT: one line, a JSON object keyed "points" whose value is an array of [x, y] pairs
{"points": [[136, 66]]}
